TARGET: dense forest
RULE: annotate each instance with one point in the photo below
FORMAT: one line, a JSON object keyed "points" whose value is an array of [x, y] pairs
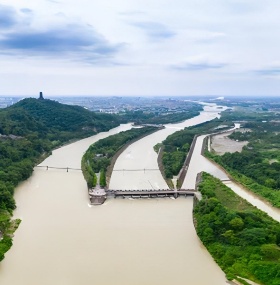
{"points": [[243, 240], [177, 145], [29, 130], [100, 154], [52, 120], [142, 117], [258, 165]]}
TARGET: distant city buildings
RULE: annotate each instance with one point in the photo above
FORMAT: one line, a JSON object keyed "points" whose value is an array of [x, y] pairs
{"points": [[8, 101], [156, 105]]}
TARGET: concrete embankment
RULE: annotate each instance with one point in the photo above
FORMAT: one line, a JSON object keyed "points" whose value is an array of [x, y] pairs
{"points": [[183, 172]]}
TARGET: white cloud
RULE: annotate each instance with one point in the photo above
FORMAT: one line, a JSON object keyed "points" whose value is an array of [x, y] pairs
{"points": [[199, 63], [127, 47]]}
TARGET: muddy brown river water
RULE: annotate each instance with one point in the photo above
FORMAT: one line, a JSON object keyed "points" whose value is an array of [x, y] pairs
{"points": [[62, 240]]}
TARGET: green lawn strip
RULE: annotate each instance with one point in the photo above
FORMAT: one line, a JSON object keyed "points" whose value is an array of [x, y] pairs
{"points": [[243, 240], [269, 194]]}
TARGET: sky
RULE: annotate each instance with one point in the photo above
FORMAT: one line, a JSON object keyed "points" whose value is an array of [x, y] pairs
{"points": [[140, 48]]}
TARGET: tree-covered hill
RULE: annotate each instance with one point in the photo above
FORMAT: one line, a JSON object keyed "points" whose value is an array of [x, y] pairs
{"points": [[47, 115]]}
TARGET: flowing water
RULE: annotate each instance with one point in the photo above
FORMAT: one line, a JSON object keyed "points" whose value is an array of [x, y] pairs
{"points": [[137, 166], [200, 163], [62, 240]]}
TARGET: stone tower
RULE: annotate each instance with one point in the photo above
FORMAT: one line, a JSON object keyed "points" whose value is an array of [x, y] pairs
{"points": [[41, 95]]}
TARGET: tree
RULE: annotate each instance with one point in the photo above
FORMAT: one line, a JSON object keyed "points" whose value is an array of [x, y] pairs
{"points": [[237, 223], [102, 179]]}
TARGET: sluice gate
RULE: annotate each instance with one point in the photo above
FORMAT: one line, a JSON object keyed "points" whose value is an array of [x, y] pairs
{"points": [[150, 193]]}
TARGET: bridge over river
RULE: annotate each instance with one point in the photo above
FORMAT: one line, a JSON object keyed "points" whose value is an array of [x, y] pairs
{"points": [[47, 167]]}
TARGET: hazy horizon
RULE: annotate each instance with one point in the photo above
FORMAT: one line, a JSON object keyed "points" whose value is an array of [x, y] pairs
{"points": [[217, 97]]}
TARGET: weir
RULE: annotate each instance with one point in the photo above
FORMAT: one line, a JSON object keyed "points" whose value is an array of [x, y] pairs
{"points": [[99, 196], [151, 193]]}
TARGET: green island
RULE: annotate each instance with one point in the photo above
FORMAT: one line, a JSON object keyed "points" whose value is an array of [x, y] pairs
{"points": [[243, 240], [176, 146], [100, 156]]}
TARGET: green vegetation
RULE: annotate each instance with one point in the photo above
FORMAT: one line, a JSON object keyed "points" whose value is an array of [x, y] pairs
{"points": [[7, 228], [157, 147], [55, 122], [242, 239], [251, 113], [177, 145], [258, 165], [102, 180], [100, 154], [142, 117], [29, 130]]}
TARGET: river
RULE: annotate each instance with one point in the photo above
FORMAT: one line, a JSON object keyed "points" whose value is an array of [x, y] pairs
{"points": [[62, 240], [210, 167]]}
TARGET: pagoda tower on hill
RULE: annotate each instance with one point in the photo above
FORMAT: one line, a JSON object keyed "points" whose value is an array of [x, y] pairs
{"points": [[41, 96]]}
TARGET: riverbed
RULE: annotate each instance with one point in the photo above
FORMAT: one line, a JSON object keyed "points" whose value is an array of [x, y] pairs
{"points": [[63, 240]]}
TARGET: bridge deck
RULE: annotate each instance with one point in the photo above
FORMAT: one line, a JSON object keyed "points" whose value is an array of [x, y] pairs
{"points": [[151, 193]]}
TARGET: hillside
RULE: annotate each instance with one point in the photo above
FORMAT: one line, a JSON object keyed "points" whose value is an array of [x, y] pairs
{"points": [[47, 116]]}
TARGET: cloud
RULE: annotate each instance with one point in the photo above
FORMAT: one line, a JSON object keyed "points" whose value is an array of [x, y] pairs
{"points": [[198, 64], [154, 30], [132, 13], [63, 39], [207, 37], [67, 38], [53, 1], [274, 71], [8, 16], [243, 7], [26, 11]]}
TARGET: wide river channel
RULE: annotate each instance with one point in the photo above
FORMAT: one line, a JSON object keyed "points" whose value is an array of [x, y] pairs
{"points": [[62, 240]]}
